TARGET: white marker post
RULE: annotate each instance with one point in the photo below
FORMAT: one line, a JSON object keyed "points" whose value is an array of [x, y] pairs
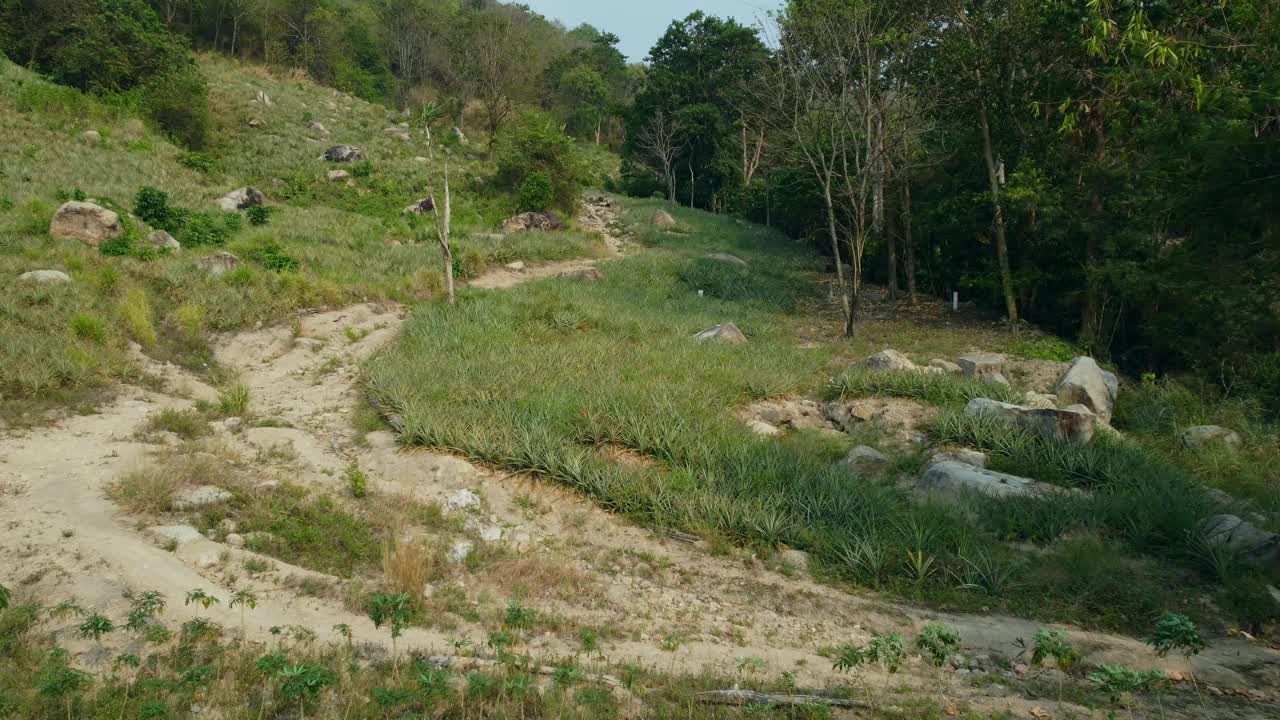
{"points": [[955, 301]]}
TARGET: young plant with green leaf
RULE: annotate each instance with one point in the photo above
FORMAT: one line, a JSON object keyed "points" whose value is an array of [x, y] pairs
{"points": [[392, 611], [1052, 644], [243, 599], [95, 626], [304, 682], [1177, 633], [203, 598], [143, 609]]}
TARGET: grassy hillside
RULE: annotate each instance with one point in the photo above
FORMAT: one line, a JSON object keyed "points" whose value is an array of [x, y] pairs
{"points": [[63, 344]]}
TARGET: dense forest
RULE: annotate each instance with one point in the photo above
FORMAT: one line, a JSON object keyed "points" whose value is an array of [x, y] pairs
{"points": [[1106, 169]]}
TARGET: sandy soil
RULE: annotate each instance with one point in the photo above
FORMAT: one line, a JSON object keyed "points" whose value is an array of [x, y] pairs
{"points": [[61, 538]]}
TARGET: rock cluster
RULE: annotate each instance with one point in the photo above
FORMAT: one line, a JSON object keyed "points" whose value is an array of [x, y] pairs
{"points": [[524, 222]]}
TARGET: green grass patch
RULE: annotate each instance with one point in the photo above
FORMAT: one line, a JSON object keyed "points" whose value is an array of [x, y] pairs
{"points": [[933, 388]]}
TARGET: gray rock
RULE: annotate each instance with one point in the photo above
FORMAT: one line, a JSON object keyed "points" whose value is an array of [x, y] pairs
{"points": [[460, 551], [725, 332], [524, 222], [492, 533], [945, 366], [263, 99], [865, 458], [92, 136], [795, 558], [888, 359], [955, 480], [984, 367], [1254, 543], [1199, 436], [338, 175], [517, 266], [763, 428], [459, 135], [235, 540], [45, 276], [1084, 383], [589, 274], [1076, 424], [1041, 401], [218, 263], [425, 206], [398, 134], [663, 219], [463, 500], [961, 455], [162, 240], [179, 534], [315, 126], [84, 221], [344, 154], [240, 199], [200, 496], [727, 259]]}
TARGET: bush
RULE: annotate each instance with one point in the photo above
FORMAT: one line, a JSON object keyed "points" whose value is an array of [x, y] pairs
{"points": [[208, 229], [179, 103], [536, 193], [258, 215], [533, 144], [273, 257], [152, 207]]}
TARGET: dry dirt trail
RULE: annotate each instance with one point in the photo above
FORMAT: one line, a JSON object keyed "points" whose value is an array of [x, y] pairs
{"points": [[655, 600]]}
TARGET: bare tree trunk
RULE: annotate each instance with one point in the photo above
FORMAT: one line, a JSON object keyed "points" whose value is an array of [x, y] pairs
{"points": [[1090, 310], [845, 309], [692, 188], [908, 242], [1002, 246], [443, 226], [891, 250]]}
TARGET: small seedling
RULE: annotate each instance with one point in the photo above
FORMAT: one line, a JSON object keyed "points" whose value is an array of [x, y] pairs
{"points": [[95, 626], [357, 480], [243, 599], [886, 650], [200, 596], [936, 643], [1176, 632], [1053, 644], [301, 682], [144, 608], [392, 611]]}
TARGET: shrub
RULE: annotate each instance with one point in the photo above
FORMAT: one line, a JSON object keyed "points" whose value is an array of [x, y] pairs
{"points": [[533, 144], [273, 257], [234, 401], [258, 215], [88, 326], [357, 480], [203, 228], [1046, 347], [536, 193], [152, 207], [198, 161], [144, 492], [178, 101]]}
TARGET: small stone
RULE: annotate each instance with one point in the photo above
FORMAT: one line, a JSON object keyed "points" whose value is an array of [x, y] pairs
{"points": [[218, 263], [241, 199], [338, 175], [460, 551], [178, 534], [663, 219], [888, 359], [227, 525], [961, 455], [162, 240], [866, 458], [763, 428], [201, 496], [235, 540], [586, 274], [945, 366], [517, 266], [492, 533], [985, 367], [1194, 438], [92, 136], [463, 499], [727, 259]]}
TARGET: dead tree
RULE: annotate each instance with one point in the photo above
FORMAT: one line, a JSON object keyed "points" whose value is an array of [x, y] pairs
{"points": [[662, 140]]}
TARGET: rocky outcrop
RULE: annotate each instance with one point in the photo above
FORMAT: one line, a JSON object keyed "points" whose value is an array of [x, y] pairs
{"points": [[663, 219], [218, 263], [1084, 383], [983, 367], [797, 414], [1199, 436], [888, 359], [1075, 424], [1253, 543], [84, 221], [727, 259], [344, 154], [524, 222], [199, 497], [956, 480], [161, 240], [960, 455], [45, 277], [241, 199], [726, 333]]}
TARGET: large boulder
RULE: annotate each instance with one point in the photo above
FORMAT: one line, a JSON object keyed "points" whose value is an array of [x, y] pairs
{"points": [[84, 221], [44, 277], [984, 367], [1084, 383], [1194, 438], [663, 219], [241, 199], [888, 359], [425, 206], [544, 221], [727, 259], [218, 263], [1075, 424], [344, 154], [726, 333], [1253, 543], [957, 479]]}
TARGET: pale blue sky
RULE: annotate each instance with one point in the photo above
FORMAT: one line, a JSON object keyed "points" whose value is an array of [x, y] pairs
{"points": [[641, 22]]}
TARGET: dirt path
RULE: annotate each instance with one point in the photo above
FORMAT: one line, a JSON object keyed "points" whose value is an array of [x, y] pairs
{"points": [[652, 599], [598, 216]]}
